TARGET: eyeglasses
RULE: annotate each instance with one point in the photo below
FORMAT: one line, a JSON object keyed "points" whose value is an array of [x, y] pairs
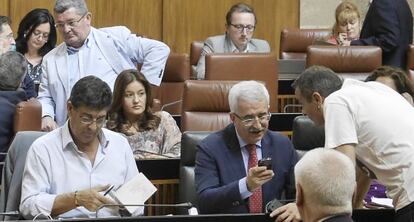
{"points": [[71, 24], [240, 27], [37, 34], [8, 37], [100, 121], [250, 119]]}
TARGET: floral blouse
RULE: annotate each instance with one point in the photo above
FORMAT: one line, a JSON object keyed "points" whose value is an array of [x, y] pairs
{"points": [[163, 142], [35, 72]]}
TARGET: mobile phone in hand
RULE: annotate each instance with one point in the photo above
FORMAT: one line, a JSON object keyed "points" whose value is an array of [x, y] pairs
{"points": [[267, 162]]}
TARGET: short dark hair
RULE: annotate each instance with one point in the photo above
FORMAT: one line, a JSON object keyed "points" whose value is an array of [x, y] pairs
{"points": [[4, 20], [240, 7], [398, 76], [13, 66], [91, 92], [317, 79], [29, 23]]}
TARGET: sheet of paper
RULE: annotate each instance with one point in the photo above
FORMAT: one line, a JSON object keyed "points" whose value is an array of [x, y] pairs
{"points": [[135, 191], [386, 202]]}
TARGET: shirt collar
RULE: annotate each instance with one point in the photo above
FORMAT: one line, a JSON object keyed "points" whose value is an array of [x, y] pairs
{"points": [[87, 43], [67, 140], [234, 49]]}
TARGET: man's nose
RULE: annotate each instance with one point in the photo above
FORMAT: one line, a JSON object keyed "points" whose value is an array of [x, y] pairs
{"points": [[66, 28]]}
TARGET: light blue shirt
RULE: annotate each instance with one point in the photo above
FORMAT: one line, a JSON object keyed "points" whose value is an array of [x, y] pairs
{"points": [[106, 53], [244, 192], [84, 63], [55, 165]]}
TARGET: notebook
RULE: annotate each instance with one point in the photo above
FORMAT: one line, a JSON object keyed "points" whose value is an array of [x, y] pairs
{"points": [[134, 192]]}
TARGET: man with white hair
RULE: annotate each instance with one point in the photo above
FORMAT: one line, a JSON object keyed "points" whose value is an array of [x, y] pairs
{"points": [[227, 176], [325, 183]]}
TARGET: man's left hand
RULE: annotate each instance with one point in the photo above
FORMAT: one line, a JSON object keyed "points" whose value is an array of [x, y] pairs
{"points": [[287, 213]]}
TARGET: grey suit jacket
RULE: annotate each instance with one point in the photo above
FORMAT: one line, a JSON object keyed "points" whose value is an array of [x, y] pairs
{"points": [[222, 44], [13, 171]]}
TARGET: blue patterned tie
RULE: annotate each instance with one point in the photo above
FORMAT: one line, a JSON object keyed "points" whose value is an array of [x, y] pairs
{"points": [[71, 50]]}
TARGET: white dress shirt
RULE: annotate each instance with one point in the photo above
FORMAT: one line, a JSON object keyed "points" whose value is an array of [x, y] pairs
{"points": [[55, 165]]}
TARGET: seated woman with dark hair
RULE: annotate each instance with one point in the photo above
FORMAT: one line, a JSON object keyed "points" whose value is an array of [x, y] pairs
{"points": [[36, 36], [150, 134], [395, 78], [347, 24]]}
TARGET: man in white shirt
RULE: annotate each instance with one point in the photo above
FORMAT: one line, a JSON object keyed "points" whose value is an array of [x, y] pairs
{"points": [[67, 170], [369, 122], [85, 51]]}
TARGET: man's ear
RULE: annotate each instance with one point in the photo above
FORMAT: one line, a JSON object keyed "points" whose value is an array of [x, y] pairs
{"points": [[317, 98], [232, 117], [69, 106]]}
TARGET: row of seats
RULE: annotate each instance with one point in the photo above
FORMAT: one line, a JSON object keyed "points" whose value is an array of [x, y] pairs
{"points": [[355, 62], [176, 91]]}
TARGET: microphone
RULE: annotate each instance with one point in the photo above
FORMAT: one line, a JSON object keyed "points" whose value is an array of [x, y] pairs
{"points": [[275, 203], [186, 205], [14, 213], [153, 153], [170, 104]]}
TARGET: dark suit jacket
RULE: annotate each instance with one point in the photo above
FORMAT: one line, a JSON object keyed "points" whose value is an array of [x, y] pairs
{"points": [[219, 167], [8, 102], [389, 25], [340, 218]]}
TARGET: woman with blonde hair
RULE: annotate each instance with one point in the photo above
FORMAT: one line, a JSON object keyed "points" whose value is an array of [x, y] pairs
{"points": [[347, 24]]}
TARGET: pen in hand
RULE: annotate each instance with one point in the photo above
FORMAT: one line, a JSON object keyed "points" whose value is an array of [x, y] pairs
{"points": [[109, 190]]}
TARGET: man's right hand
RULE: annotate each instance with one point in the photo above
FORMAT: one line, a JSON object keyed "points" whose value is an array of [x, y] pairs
{"points": [[48, 124], [257, 176], [91, 199]]}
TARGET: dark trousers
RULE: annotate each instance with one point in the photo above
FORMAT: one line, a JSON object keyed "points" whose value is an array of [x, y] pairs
{"points": [[405, 214]]}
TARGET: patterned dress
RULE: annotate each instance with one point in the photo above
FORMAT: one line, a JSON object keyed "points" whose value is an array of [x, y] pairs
{"points": [[163, 142]]}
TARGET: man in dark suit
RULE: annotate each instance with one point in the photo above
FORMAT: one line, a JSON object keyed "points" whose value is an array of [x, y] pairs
{"points": [[227, 177], [325, 184], [389, 25], [13, 67]]}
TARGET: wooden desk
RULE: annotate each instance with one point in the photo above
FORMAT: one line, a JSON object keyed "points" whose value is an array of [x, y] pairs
{"points": [[164, 174]]}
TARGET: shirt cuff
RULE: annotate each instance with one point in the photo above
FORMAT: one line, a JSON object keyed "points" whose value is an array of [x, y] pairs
{"points": [[244, 192]]}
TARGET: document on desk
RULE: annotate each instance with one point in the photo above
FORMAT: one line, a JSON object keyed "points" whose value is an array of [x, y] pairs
{"points": [[383, 202], [136, 191]]}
